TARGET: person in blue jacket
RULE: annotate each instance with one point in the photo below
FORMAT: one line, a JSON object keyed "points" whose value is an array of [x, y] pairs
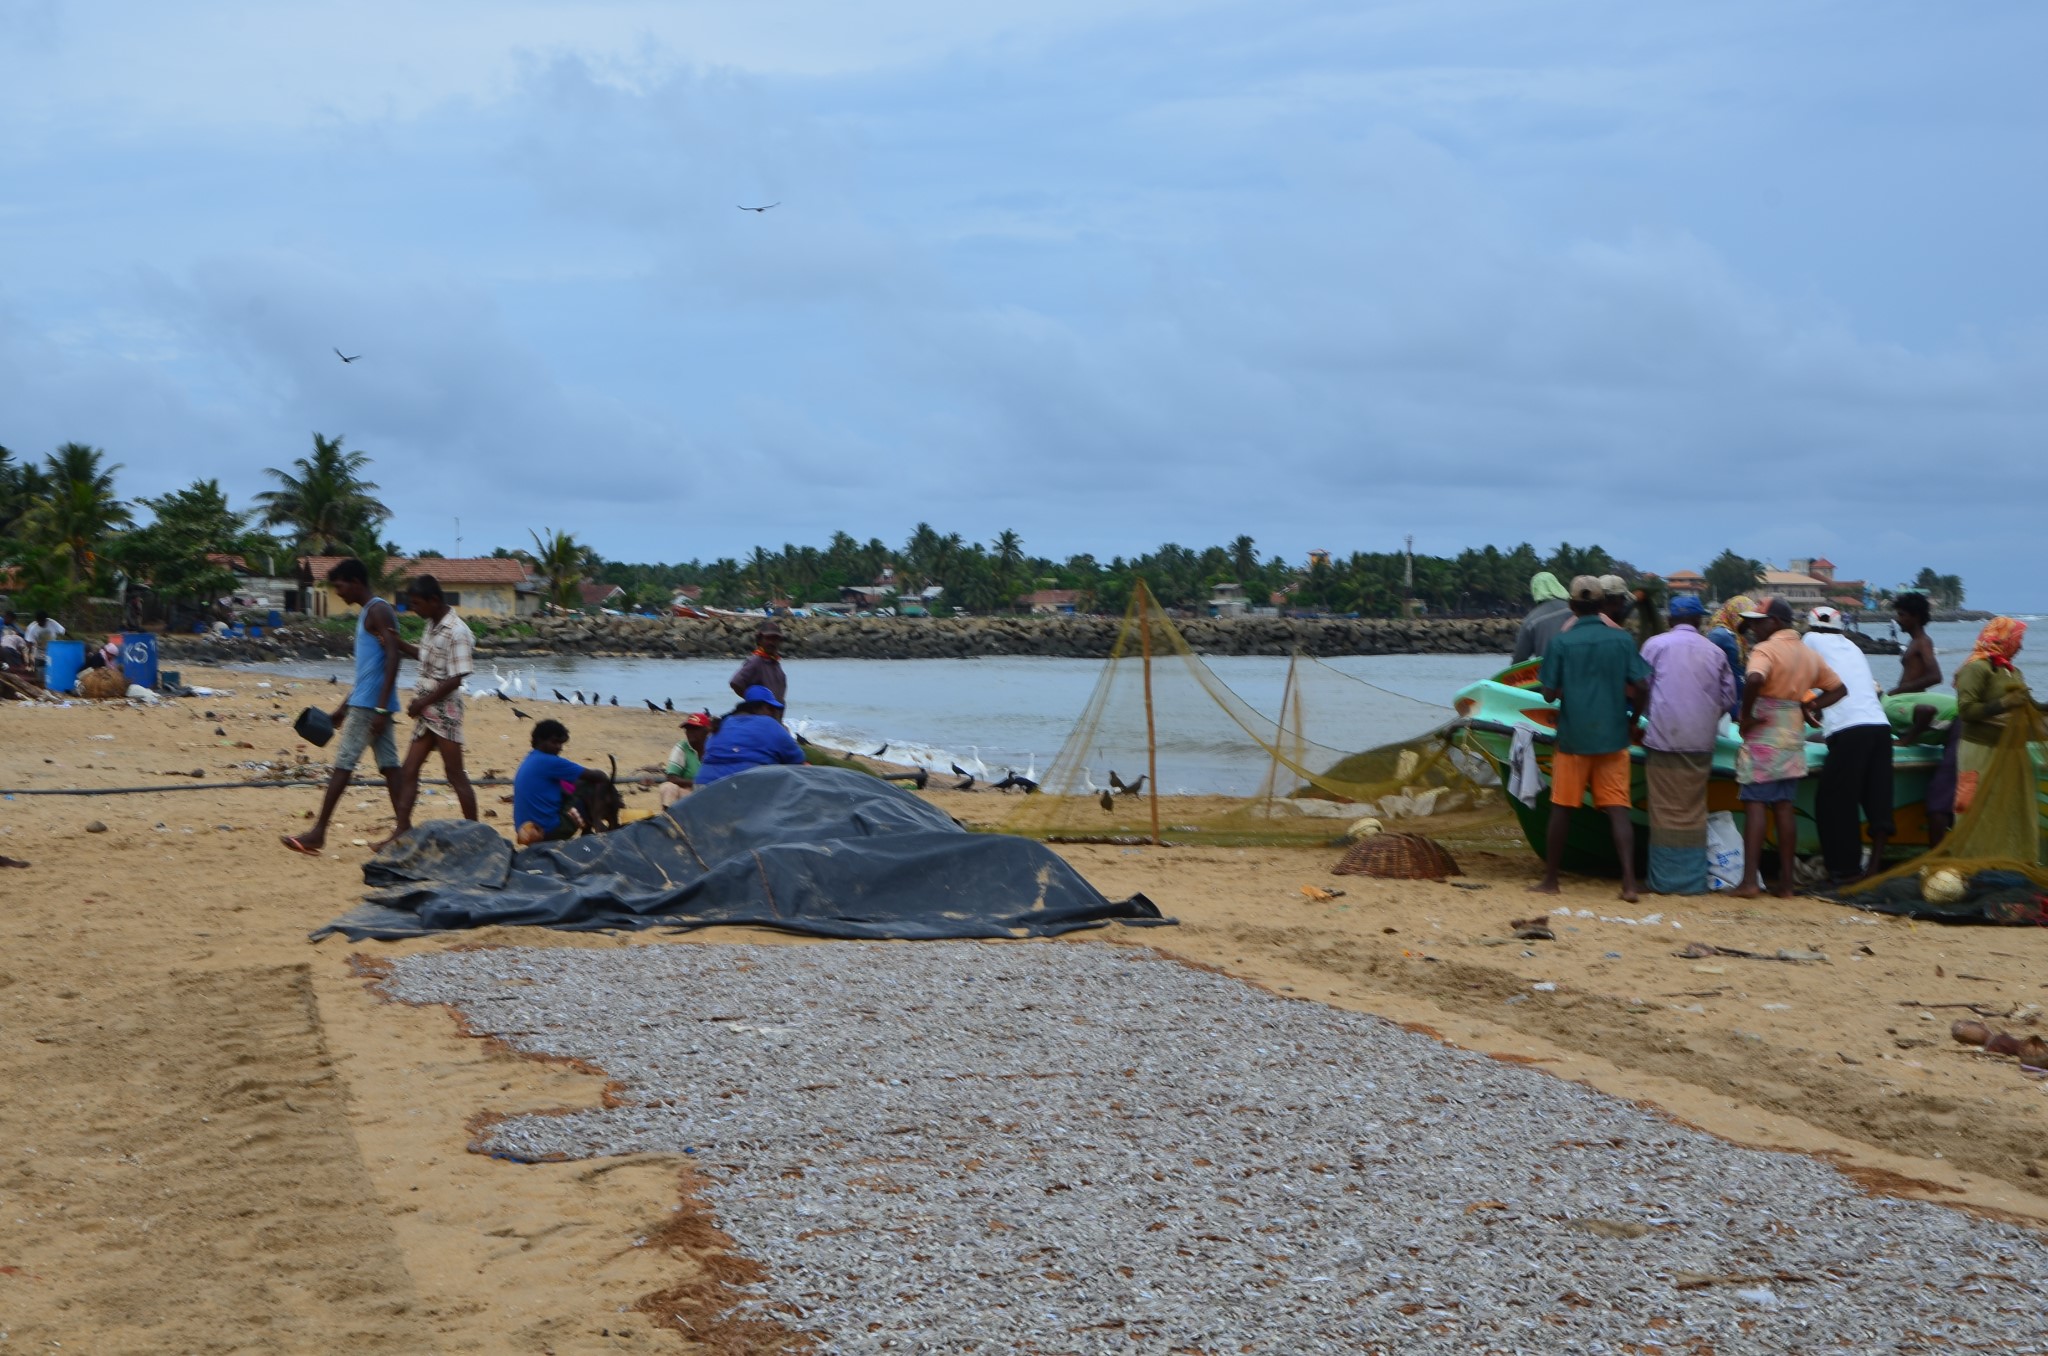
{"points": [[752, 736], [542, 787]]}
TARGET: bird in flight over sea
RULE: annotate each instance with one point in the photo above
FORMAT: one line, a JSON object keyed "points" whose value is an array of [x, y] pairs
{"points": [[345, 357], [744, 208]]}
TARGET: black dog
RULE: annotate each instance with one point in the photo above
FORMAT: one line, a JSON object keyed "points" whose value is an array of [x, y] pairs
{"points": [[597, 801]]}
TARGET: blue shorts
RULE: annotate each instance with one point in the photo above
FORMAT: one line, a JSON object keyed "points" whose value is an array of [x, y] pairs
{"points": [[1771, 793], [355, 737]]}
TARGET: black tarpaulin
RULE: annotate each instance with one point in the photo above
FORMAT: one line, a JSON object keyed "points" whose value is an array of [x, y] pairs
{"points": [[817, 850]]}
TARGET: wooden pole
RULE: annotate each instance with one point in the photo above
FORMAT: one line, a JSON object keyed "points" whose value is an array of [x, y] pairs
{"points": [[1145, 602]]}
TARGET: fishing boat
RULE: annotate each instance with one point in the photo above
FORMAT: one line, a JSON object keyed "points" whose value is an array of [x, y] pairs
{"points": [[1490, 712]]}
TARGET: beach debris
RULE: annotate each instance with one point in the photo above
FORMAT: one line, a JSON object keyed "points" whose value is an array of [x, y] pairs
{"points": [[1703, 950], [95, 827], [1536, 929], [2033, 1053], [1969, 1032], [13, 861], [1364, 827], [1398, 856], [1319, 895]]}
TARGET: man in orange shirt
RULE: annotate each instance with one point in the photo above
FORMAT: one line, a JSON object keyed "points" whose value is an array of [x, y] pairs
{"points": [[1777, 701]]}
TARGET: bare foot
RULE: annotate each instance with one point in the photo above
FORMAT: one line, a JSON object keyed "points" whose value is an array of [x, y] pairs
{"points": [[1629, 896], [388, 839], [1544, 887], [1747, 892], [1785, 892]]}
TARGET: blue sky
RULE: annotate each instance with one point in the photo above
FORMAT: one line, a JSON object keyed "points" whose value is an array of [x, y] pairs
{"points": [[1670, 278]]}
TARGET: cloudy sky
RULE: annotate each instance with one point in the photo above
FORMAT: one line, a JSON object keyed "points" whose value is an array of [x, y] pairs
{"points": [[1108, 272]]}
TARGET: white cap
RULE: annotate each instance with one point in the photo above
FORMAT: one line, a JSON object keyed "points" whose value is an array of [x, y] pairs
{"points": [[1824, 619]]}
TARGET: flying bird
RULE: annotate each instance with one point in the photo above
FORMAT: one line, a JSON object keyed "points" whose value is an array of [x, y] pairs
{"points": [[743, 208], [344, 357]]}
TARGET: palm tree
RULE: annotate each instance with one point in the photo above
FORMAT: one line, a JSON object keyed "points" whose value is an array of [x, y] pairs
{"points": [[562, 559], [1244, 560], [324, 498], [78, 510], [1009, 566]]}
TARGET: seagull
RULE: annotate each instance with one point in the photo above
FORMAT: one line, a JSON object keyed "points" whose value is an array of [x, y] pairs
{"points": [[344, 357], [776, 203]]}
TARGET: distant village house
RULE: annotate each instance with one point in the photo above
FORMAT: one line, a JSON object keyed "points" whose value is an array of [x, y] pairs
{"points": [[492, 586]]}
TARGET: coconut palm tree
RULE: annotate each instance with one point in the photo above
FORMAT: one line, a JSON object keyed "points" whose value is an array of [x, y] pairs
{"points": [[563, 560], [77, 511], [324, 498]]}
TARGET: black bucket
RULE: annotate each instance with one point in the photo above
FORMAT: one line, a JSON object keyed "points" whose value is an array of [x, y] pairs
{"points": [[315, 726]]}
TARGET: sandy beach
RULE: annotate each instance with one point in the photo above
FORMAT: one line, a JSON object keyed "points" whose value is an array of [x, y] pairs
{"points": [[222, 1138]]}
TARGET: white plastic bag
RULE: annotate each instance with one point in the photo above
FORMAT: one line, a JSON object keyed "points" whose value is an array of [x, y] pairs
{"points": [[1724, 851]]}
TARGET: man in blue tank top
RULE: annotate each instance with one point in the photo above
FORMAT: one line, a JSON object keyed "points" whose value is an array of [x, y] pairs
{"points": [[364, 719]]}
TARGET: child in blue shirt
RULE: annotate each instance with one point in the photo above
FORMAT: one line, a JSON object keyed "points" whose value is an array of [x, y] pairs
{"points": [[542, 787]]}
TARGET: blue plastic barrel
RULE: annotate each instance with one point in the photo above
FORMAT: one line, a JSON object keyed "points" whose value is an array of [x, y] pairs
{"points": [[255, 630], [276, 619], [138, 658], [66, 658]]}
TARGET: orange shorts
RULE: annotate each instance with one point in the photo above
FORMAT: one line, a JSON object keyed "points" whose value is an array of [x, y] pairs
{"points": [[1608, 773]]}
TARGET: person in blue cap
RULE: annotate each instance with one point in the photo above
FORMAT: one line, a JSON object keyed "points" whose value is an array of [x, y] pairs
{"points": [[752, 736], [1690, 688]]}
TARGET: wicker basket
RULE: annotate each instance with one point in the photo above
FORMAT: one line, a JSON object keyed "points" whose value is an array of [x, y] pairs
{"points": [[1398, 856]]}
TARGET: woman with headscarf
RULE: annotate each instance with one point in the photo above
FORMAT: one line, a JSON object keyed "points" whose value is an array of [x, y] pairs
{"points": [[1725, 630], [1553, 609], [1988, 687]]}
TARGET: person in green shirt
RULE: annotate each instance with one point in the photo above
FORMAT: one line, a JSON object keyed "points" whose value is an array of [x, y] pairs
{"points": [[1594, 673], [680, 773], [1988, 686]]}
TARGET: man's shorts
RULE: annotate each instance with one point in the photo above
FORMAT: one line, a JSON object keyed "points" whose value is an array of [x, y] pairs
{"points": [[1606, 773], [1770, 793], [355, 737]]}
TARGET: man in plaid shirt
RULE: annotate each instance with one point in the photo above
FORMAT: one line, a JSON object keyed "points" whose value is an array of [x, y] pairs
{"points": [[446, 655]]}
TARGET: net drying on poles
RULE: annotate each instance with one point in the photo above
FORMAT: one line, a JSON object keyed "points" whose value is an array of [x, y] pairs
{"points": [[1989, 867], [1162, 735]]}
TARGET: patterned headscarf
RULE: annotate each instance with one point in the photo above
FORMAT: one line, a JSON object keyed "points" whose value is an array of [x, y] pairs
{"points": [[1731, 612], [1998, 642], [1543, 587]]}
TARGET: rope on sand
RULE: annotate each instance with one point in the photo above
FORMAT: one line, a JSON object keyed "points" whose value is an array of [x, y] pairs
{"points": [[219, 786]]}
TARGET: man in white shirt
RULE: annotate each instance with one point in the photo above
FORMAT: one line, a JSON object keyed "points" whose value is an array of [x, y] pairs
{"points": [[1858, 773], [41, 632]]}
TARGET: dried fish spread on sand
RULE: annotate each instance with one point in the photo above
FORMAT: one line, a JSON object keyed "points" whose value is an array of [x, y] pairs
{"points": [[1058, 1147]]}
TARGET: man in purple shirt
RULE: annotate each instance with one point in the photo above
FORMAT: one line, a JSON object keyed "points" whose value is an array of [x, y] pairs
{"points": [[1690, 689], [764, 667]]}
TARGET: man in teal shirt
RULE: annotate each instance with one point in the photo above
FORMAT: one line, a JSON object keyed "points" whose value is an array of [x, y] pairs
{"points": [[1593, 672]]}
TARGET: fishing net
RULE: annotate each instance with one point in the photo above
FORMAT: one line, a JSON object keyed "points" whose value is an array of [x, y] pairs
{"points": [[1164, 739], [1989, 868]]}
